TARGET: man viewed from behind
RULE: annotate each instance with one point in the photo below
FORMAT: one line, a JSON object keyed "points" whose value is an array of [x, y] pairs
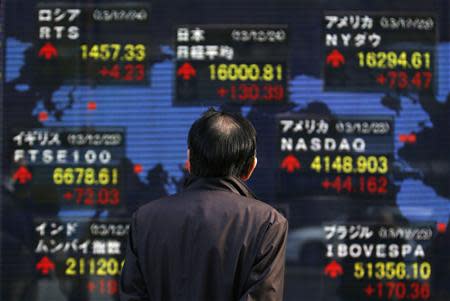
{"points": [[214, 240]]}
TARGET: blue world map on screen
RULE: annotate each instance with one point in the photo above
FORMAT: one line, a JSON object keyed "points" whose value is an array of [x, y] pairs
{"points": [[156, 131]]}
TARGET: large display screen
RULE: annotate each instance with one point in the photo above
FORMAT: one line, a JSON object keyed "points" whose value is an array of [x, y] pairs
{"points": [[350, 100]]}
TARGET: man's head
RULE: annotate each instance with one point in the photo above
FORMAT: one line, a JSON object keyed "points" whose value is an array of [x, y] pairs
{"points": [[222, 144]]}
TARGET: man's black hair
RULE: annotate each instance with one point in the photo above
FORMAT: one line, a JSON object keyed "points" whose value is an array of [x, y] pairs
{"points": [[221, 144]]}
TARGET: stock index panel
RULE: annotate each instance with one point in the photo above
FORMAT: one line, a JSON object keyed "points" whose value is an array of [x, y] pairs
{"points": [[350, 99]]}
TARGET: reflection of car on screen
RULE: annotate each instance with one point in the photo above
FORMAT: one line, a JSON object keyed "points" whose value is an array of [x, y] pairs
{"points": [[306, 246]]}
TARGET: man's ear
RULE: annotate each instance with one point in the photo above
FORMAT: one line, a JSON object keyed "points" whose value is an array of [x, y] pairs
{"points": [[250, 171], [187, 164]]}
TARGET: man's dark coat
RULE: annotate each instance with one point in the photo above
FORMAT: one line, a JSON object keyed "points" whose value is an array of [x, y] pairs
{"points": [[213, 241]]}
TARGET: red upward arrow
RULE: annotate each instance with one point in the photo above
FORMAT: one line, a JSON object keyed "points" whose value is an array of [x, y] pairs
{"points": [[186, 71], [22, 175], [333, 269], [335, 58], [290, 163], [45, 265], [48, 51]]}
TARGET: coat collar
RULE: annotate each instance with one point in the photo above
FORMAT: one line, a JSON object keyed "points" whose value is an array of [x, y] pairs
{"points": [[233, 184]]}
